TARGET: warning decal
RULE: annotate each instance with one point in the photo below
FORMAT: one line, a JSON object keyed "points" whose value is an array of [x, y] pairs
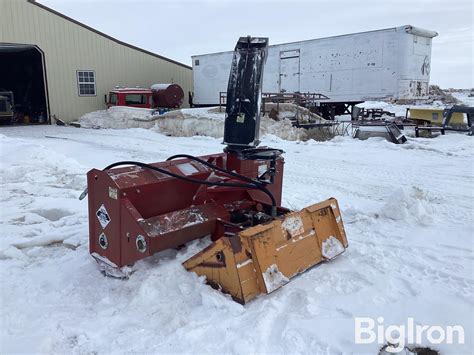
{"points": [[103, 216]]}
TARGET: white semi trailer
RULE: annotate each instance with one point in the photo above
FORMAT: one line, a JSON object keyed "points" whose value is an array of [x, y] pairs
{"points": [[389, 63]]}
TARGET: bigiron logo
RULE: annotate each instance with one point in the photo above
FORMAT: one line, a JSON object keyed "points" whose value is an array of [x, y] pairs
{"points": [[397, 336]]}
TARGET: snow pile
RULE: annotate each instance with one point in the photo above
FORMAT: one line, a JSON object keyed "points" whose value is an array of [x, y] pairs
{"points": [[210, 122], [192, 122], [118, 117], [182, 123], [466, 97], [282, 129], [436, 93], [290, 110], [461, 97], [212, 113], [400, 110], [177, 122], [405, 204]]}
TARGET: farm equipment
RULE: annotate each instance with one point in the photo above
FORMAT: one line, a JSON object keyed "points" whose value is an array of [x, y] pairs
{"points": [[453, 120], [377, 122], [7, 113], [431, 116], [361, 113], [138, 209], [388, 130]]}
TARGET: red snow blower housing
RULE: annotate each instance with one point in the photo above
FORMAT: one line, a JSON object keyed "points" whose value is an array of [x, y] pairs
{"points": [[138, 209]]}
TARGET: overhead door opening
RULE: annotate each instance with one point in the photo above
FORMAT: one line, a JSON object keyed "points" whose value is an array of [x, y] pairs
{"points": [[23, 92]]}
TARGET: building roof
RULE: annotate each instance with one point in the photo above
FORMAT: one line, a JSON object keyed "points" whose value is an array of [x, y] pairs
{"points": [[34, 2]]}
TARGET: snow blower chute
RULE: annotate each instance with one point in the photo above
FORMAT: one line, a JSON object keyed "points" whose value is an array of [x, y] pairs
{"points": [[138, 209]]}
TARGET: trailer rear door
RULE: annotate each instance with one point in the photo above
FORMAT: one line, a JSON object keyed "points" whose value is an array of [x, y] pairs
{"points": [[290, 71]]}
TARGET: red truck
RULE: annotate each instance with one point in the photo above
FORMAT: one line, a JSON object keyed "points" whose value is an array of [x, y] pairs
{"points": [[158, 96]]}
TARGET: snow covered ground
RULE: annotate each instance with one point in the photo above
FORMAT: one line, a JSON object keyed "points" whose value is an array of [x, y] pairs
{"points": [[408, 211]]}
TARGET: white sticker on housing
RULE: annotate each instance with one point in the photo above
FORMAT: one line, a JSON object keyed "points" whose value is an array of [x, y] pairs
{"points": [[113, 193], [240, 118], [103, 216], [187, 169]]}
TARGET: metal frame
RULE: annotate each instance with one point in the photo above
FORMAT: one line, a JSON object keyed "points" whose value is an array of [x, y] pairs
{"points": [[447, 115], [309, 99]]}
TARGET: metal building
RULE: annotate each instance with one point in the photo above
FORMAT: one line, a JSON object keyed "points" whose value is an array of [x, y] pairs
{"points": [[57, 66]]}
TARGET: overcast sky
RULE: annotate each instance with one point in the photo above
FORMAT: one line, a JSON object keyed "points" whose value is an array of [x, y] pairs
{"points": [[179, 29]]}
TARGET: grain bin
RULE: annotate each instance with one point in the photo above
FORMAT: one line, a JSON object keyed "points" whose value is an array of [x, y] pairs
{"points": [[167, 95]]}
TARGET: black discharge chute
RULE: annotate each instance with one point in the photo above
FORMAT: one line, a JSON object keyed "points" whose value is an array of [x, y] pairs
{"points": [[242, 122]]}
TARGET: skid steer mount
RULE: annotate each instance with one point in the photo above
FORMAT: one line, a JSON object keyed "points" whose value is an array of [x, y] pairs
{"points": [[138, 209]]}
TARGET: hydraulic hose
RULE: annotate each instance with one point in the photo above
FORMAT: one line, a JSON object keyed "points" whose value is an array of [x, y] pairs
{"points": [[215, 167], [252, 185], [258, 185]]}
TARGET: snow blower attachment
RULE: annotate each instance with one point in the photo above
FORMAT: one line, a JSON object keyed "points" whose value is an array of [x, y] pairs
{"points": [[138, 209]]}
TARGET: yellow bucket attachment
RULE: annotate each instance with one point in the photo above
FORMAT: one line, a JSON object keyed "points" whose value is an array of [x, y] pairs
{"points": [[263, 258]]}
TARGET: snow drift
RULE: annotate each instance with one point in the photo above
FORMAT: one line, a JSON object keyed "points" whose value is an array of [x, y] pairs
{"points": [[185, 122]]}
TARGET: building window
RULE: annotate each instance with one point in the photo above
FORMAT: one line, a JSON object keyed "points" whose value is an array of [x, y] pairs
{"points": [[86, 82], [196, 62]]}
